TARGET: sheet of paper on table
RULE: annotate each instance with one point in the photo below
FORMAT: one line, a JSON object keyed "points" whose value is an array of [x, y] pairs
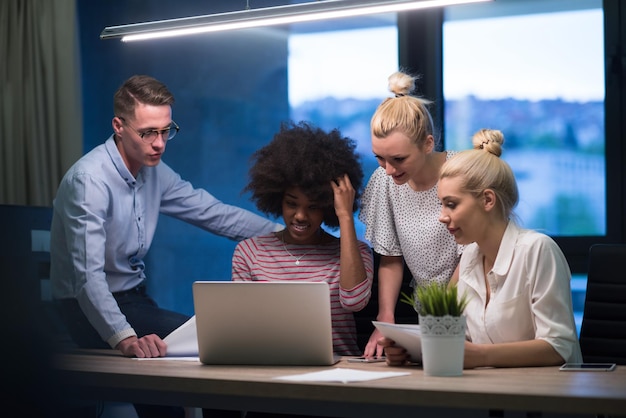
{"points": [[342, 375]]}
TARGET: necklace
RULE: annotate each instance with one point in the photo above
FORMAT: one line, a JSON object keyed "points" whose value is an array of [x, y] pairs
{"points": [[297, 262]]}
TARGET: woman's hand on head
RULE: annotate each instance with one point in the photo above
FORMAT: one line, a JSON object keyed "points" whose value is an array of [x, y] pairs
{"points": [[343, 193]]}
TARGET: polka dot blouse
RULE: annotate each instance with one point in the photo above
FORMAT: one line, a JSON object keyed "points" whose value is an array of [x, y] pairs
{"points": [[400, 221]]}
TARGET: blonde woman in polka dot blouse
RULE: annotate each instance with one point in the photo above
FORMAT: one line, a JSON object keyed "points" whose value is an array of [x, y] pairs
{"points": [[400, 207]]}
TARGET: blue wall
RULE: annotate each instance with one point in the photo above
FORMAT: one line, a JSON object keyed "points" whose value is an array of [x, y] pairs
{"points": [[231, 96]]}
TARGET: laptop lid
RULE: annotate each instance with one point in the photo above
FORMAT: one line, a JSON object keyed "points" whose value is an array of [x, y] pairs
{"points": [[263, 323]]}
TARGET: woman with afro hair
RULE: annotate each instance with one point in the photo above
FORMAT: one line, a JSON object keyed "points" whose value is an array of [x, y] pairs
{"points": [[310, 177]]}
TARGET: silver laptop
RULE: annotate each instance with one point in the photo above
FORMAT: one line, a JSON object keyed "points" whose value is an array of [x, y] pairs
{"points": [[263, 323]]}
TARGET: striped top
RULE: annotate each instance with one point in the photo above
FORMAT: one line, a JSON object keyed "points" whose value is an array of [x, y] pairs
{"points": [[264, 258]]}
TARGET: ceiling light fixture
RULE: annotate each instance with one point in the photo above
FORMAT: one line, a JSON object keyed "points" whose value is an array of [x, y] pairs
{"points": [[268, 16]]}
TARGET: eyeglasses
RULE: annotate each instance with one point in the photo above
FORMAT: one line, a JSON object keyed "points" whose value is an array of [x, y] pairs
{"points": [[151, 135]]}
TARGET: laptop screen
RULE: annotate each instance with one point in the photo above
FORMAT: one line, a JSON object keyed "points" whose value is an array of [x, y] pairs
{"points": [[270, 323]]}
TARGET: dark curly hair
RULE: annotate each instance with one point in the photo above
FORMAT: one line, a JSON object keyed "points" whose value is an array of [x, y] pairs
{"points": [[304, 156]]}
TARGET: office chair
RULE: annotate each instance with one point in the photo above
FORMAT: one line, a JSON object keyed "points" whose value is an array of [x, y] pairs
{"points": [[603, 329], [25, 271], [25, 266]]}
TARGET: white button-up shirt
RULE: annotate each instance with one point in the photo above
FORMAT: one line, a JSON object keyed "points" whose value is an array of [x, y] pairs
{"points": [[530, 293]]}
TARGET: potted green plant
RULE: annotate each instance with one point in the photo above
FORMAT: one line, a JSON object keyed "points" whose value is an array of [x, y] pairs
{"points": [[442, 327], [436, 299]]}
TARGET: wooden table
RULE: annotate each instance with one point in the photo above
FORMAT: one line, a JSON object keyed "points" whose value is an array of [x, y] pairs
{"points": [[104, 375]]}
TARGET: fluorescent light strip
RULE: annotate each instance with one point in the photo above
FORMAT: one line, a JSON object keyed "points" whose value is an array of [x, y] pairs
{"points": [[269, 16]]}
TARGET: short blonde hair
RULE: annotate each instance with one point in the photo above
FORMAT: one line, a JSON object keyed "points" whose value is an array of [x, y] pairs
{"points": [[482, 168], [403, 113]]}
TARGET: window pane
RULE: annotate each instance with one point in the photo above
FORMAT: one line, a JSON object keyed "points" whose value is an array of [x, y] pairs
{"points": [[337, 79], [538, 77]]}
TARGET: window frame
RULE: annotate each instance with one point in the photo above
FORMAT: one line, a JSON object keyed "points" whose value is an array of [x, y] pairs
{"points": [[425, 58]]}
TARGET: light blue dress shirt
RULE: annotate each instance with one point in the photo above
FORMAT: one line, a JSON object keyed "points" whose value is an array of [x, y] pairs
{"points": [[104, 221]]}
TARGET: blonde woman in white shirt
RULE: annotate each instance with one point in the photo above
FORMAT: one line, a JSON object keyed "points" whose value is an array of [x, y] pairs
{"points": [[517, 280]]}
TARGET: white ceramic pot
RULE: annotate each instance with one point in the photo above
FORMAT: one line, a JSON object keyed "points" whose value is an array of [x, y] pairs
{"points": [[443, 344]]}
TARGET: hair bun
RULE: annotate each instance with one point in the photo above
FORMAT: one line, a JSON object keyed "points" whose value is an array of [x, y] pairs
{"points": [[490, 140], [401, 84]]}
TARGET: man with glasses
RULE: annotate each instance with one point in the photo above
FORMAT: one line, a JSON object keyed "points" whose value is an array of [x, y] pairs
{"points": [[105, 215]]}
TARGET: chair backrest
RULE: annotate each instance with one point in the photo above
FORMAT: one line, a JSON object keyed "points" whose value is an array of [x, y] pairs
{"points": [[25, 268], [25, 249], [603, 329]]}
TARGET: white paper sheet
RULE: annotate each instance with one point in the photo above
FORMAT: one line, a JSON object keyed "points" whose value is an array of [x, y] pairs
{"points": [[342, 375], [405, 335], [183, 341], [196, 359]]}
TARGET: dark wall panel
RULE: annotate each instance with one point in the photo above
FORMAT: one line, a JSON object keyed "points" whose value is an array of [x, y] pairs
{"points": [[231, 96]]}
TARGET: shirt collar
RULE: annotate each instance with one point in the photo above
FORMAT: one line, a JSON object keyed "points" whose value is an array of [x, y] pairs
{"points": [[118, 162], [506, 250]]}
